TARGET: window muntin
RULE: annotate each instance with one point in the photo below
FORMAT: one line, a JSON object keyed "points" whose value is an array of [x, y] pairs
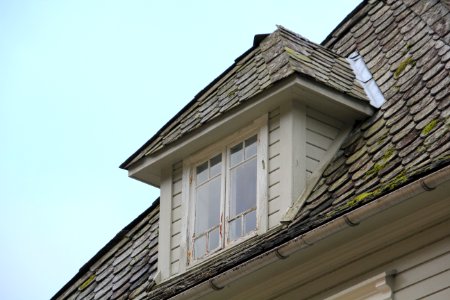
{"points": [[242, 194], [208, 183], [214, 197]]}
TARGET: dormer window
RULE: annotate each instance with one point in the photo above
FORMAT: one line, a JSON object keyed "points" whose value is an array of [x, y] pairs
{"points": [[280, 100], [225, 197]]}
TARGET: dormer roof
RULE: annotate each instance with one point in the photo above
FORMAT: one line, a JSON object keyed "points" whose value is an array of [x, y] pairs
{"points": [[272, 58]]}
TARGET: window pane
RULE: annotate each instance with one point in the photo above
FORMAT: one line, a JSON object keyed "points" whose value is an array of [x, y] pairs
{"points": [[215, 164], [213, 214], [236, 155], [201, 209], [200, 247], [202, 172], [214, 239], [235, 229], [250, 222], [207, 206], [243, 187], [250, 147]]}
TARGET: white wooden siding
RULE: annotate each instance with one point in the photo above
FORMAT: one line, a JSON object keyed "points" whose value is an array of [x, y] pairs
{"points": [[420, 264], [175, 231], [274, 169], [321, 132], [428, 277]]}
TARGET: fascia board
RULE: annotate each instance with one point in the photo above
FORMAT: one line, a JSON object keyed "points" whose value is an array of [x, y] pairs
{"points": [[294, 87]]}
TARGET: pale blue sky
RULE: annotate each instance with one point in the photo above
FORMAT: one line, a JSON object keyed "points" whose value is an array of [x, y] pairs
{"points": [[83, 84]]}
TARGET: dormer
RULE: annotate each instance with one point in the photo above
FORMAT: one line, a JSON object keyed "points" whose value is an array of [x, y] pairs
{"points": [[239, 158]]}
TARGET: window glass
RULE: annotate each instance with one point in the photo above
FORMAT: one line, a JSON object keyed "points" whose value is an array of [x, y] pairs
{"points": [[237, 198], [243, 187], [201, 209], [207, 205], [250, 147], [235, 229], [200, 247], [214, 239], [214, 202], [250, 222], [202, 172], [236, 154], [215, 165]]}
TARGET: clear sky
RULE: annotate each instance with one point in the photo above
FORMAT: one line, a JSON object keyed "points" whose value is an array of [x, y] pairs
{"points": [[83, 84]]}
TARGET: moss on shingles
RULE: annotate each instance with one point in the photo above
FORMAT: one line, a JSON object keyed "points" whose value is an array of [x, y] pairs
{"points": [[388, 186], [296, 55], [407, 48], [231, 93], [402, 66], [395, 182], [375, 169], [86, 283], [421, 149], [430, 126], [360, 197], [380, 165]]}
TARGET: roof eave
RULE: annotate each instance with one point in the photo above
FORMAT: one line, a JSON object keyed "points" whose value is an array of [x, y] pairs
{"points": [[294, 87]]}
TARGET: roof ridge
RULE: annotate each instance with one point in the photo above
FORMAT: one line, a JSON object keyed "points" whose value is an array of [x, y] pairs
{"points": [[347, 23]]}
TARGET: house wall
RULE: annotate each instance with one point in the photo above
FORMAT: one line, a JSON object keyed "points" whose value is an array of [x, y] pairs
{"points": [[425, 273], [176, 213], [420, 265], [274, 213], [321, 132]]}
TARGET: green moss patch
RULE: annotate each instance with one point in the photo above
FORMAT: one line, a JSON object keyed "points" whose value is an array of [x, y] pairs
{"points": [[388, 186], [298, 56], [380, 165], [430, 126], [86, 283], [402, 66], [392, 184]]}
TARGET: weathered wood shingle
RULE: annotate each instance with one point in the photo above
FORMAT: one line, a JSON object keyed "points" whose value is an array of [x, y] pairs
{"points": [[278, 56], [125, 268], [410, 134]]}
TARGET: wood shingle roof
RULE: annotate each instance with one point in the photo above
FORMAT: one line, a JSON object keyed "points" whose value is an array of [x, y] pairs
{"points": [[125, 267], [277, 56], [406, 46]]}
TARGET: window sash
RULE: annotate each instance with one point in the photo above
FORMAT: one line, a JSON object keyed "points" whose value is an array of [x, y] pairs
{"points": [[204, 231], [247, 219]]}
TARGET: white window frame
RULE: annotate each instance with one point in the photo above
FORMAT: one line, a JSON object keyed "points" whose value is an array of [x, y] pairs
{"points": [[258, 127], [378, 287]]}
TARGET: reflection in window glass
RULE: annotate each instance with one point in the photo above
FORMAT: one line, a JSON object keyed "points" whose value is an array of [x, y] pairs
{"points": [[250, 222], [240, 168], [215, 165], [202, 172], [235, 229], [214, 239], [250, 147], [207, 206], [243, 187], [201, 209], [200, 247], [242, 193], [236, 155]]}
